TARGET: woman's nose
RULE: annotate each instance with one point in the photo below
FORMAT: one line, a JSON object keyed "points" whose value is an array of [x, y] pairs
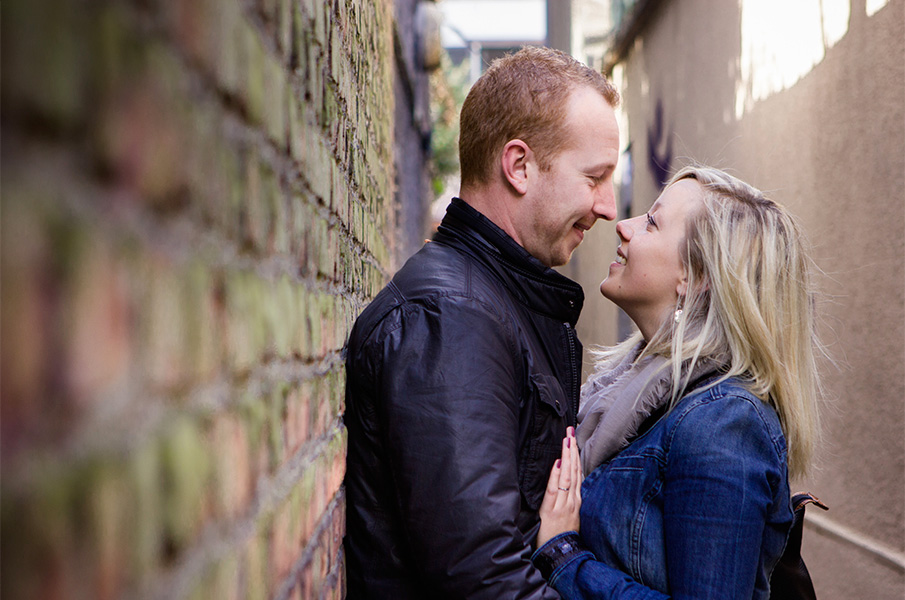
{"points": [[624, 229]]}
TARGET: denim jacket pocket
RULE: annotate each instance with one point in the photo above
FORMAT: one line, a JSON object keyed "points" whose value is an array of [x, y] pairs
{"points": [[547, 420], [633, 525]]}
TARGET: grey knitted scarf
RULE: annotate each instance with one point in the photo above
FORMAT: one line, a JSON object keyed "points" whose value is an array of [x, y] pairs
{"points": [[618, 397]]}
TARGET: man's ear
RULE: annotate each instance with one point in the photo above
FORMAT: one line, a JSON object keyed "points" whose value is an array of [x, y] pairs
{"points": [[514, 161]]}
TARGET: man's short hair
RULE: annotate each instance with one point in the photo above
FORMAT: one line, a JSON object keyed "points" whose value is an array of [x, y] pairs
{"points": [[522, 96]]}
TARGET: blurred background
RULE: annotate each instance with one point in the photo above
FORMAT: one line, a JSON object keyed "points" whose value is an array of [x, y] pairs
{"points": [[805, 100], [197, 197]]}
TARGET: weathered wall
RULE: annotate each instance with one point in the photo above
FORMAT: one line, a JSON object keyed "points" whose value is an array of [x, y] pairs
{"points": [[197, 201], [412, 133], [831, 146]]}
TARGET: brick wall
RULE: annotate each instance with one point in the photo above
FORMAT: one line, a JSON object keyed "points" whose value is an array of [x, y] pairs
{"points": [[196, 203]]}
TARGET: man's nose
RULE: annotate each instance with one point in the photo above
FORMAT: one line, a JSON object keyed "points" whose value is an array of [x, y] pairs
{"points": [[605, 205]]}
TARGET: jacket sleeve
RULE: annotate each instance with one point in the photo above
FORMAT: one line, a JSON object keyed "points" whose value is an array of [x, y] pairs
{"points": [[449, 409], [721, 472]]}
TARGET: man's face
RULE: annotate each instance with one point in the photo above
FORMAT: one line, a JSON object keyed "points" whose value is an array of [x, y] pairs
{"points": [[566, 200]]}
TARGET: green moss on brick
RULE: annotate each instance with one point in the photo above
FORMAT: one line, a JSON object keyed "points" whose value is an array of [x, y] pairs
{"points": [[37, 525], [256, 73], [276, 406], [231, 63], [200, 328], [284, 317], [186, 465], [256, 567], [51, 79], [252, 199], [275, 108], [146, 511]]}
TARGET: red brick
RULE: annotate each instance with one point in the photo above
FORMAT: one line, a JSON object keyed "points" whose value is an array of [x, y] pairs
{"points": [[206, 226], [98, 323], [234, 483]]}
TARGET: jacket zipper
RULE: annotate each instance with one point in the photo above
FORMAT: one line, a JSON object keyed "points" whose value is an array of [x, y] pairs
{"points": [[570, 335]]}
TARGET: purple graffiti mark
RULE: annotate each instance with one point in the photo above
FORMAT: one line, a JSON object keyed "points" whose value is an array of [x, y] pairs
{"points": [[659, 163]]}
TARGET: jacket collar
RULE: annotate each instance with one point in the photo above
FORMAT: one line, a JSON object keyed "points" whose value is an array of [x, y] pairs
{"points": [[534, 284]]}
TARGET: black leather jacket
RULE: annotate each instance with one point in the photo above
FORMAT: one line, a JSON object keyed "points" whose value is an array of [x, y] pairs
{"points": [[462, 376]]}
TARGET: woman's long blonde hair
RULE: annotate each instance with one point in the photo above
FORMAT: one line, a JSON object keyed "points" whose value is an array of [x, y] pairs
{"points": [[749, 305]]}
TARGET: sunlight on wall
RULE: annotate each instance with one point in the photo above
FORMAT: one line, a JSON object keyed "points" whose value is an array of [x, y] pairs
{"points": [[782, 41], [875, 5], [496, 20], [618, 79]]}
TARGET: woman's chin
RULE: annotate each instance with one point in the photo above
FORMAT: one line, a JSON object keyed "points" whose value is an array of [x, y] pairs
{"points": [[606, 289], [610, 291]]}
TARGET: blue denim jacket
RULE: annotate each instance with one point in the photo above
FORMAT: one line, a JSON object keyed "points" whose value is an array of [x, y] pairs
{"points": [[697, 507]]}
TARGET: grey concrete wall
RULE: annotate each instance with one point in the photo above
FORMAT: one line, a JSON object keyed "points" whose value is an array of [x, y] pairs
{"points": [[412, 126], [831, 146]]}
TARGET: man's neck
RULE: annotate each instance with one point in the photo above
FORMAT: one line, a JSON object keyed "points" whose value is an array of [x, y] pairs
{"points": [[495, 204]]}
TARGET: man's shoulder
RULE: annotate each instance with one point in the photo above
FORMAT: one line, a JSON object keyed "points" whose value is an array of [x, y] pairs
{"points": [[435, 267], [442, 280], [439, 270]]}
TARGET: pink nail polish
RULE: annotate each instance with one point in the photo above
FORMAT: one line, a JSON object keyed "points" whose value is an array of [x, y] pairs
{"points": [[558, 462], [568, 442]]}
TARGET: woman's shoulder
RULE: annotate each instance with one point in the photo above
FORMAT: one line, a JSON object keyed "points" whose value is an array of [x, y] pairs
{"points": [[726, 409], [728, 394]]}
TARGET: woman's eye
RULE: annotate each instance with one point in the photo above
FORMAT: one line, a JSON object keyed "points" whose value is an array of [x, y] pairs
{"points": [[650, 220]]}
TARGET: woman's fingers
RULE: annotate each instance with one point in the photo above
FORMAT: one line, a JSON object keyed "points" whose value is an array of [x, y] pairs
{"points": [[559, 509], [553, 481], [576, 461], [566, 476], [551, 496], [576, 471]]}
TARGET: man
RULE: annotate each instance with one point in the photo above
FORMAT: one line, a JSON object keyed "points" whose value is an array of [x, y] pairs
{"points": [[463, 373]]}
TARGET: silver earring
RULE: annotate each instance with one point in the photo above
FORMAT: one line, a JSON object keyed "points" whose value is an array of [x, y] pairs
{"points": [[678, 315]]}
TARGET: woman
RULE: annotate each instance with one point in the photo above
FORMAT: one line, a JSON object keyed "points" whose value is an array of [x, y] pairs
{"points": [[690, 429]]}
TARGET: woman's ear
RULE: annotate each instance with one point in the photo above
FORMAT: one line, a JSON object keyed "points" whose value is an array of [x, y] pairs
{"points": [[514, 162], [682, 286], [701, 286]]}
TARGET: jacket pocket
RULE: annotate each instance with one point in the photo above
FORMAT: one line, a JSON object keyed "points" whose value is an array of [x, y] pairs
{"points": [[623, 501], [547, 412]]}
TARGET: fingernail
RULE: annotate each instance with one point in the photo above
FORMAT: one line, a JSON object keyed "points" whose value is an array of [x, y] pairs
{"points": [[558, 462], [568, 442]]}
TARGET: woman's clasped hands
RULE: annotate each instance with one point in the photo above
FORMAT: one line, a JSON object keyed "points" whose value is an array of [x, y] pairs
{"points": [[562, 500]]}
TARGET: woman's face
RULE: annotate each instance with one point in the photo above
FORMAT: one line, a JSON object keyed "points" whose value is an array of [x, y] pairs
{"points": [[647, 277]]}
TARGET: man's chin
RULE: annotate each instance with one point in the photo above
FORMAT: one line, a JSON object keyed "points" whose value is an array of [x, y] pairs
{"points": [[560, 261], [563, 257], [558, 256]]}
